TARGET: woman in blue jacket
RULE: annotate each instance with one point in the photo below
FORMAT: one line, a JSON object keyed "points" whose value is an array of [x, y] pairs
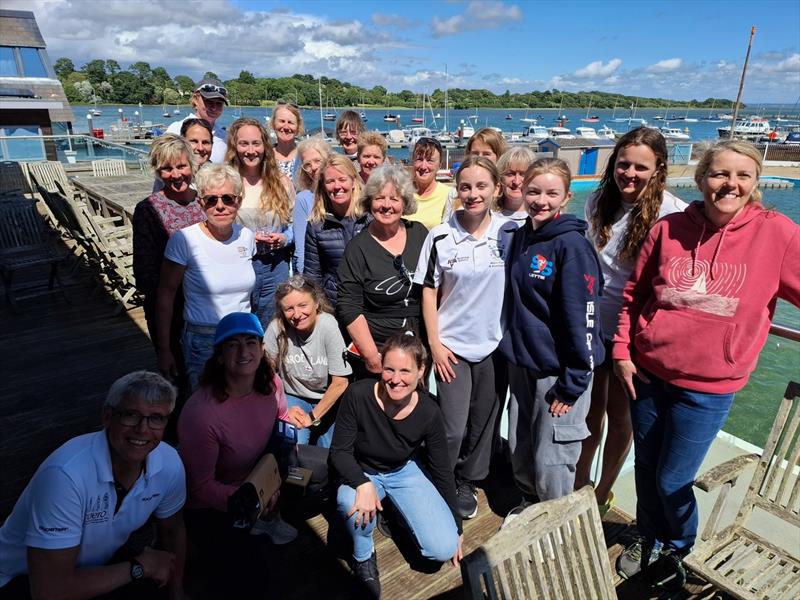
{"points": [[551, 336], [336, 218]]}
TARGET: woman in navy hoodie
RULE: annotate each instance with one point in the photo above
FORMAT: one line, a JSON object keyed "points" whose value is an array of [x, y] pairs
{"points": [[551, 336]]}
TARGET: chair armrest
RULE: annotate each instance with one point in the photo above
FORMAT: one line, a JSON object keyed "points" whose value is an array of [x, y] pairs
{"points": [[727, 472]]}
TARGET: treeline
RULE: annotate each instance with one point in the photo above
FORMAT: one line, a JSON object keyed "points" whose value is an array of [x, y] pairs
{"points": [[105, 81]]}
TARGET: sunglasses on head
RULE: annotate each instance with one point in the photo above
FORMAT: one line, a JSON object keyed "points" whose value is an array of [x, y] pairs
{"points": [[428, 141], [282, 102], [211, 88], [227, 200], [400, 266]]}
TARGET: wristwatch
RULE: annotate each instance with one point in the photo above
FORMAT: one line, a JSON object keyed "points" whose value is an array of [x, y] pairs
{"points": [[314, 420], [137, 570]]}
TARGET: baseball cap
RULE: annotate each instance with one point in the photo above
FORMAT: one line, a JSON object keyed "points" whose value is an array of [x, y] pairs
{"points": [[236, 323], [212, 89]]}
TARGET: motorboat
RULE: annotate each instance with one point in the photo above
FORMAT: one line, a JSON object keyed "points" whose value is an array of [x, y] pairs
{"points": [[586, 133], [673, 133], [465, 131], [606, 133], [751, 129], [415, 133], [560, 132], [390, 118], [535, 132], [364, 116], [509, 117], [329, 116]]}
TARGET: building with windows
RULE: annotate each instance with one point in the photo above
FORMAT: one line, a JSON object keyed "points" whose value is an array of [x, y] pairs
{"points": [[32, 101]]}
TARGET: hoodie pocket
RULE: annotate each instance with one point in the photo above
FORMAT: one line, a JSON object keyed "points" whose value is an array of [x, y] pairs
{"points": [[690, 344], [567, 445]]}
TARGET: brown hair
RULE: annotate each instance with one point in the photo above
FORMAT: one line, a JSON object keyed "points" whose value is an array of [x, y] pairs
{"points": [[349, 119], [425, 147], [409, 343], [740, 147], [322, 203], [492, 138], [274, 196], [372, 138], [214, 375], [646, 209]]}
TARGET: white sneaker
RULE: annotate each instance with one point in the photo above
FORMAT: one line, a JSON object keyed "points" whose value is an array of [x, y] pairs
{"points": [[515, 512], [278, 530]]}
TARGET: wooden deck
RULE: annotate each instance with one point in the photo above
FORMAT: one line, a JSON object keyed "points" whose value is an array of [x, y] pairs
{"points": [[58, 361]]}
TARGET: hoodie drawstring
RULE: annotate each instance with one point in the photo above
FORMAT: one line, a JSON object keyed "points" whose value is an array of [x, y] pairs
{"points": [[717, 250], [697, 247]]}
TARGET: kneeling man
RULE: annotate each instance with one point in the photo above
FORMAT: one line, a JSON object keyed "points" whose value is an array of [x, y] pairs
{"points": [[89, 495]]}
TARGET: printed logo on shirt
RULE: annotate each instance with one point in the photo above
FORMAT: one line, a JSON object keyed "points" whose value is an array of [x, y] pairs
{"points": [[456, 259], [53, 529], [540, 267], [97, 510], [590, 281], [243, 251], [148, 498], [695, 285]]}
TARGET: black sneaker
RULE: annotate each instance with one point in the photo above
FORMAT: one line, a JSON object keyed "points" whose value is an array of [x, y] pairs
{"points": [[636, 557], [467, 500], [367, 578], [668, 572], [383, 525]]}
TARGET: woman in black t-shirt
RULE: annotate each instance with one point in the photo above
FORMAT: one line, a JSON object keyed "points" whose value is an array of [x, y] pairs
{"points": [[376, 296], [380, 429]]}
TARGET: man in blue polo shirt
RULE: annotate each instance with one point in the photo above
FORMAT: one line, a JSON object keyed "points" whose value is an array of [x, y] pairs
{"points": [[89, 495]]}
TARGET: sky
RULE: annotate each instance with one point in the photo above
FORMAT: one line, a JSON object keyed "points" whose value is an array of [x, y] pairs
{"points": [[681, 50]]}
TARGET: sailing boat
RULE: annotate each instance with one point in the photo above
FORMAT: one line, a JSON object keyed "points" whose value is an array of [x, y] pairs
{"points": [[712, 116], [527, 119], [416, 118], [164, 111], [330, 114], [177, 110], [593, 118], [96, 112], [687, 118]]}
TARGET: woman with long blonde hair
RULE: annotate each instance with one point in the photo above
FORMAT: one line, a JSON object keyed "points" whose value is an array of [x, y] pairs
{"points": [[336, 218], [268, 198], [311, 152]]}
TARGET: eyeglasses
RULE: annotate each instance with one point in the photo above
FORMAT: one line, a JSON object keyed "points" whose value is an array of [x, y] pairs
{"points": [[282, 102], [309, 166], [132, 418], [227, 200], [210, 88]]}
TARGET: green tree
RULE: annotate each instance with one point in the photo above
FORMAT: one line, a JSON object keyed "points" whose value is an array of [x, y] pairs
{"points": [[130, 89], [211, 75], [63, 67], [184, 84], [160, 78], [246, 77], [112, 67], [142, 70], [95, 71]]}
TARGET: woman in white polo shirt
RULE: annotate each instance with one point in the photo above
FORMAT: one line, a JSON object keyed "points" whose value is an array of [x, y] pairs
{"points": [[462, 270], [213, 259]]}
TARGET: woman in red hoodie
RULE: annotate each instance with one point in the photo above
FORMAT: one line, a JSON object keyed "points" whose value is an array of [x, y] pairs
{"points": [[696, 313]]}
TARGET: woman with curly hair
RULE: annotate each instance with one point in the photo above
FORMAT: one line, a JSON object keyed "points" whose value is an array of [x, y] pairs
{"points": [[631, 197], [267, 201]]}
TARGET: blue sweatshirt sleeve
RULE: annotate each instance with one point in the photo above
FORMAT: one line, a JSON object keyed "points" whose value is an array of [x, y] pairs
{"points": [[579, 341]]}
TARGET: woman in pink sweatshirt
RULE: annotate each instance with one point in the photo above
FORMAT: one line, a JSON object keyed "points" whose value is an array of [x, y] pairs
{"points": [[696, 313]]}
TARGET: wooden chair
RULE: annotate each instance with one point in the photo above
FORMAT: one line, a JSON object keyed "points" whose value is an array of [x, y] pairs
{"points": [[108, 167], [553, 549], [24, 243], [14, 178], [735, 559], [47, 172]]}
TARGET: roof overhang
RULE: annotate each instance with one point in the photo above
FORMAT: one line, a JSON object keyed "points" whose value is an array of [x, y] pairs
{"points": [[30, 104]]}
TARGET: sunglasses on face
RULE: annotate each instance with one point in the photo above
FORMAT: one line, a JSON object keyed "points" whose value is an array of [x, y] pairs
{"points": [[227, 200], [282, 102], [132, 418], [211, 88]]}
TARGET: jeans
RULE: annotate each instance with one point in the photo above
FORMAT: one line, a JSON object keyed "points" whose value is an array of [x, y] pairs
{"points": [[271, 269], [322, 434], [198, 347], [673, 428], [418, 501]]}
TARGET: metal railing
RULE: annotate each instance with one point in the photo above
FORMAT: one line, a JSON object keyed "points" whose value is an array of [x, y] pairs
{"points": [[68, 148]]}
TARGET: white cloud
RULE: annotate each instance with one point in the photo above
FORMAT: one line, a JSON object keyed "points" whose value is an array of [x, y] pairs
{"points": [[598, 69], [663, 66], [480, 14], [391, 21]]}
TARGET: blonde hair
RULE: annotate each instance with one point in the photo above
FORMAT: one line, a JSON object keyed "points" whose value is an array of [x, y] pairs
{"points": [[168, 148], [518, 156], [372, 138], [304, 181], [740, 147], [542, 166], [485, 164], [295, 112], [492, 138], [322, 202], [398, 176], [274, 196]]}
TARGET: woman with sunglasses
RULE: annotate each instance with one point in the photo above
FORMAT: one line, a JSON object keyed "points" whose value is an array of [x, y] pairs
{"points": [[213, 261], [287, 123], [266, 209], [208, 101], [312, 153], [305, 346], [430, 195], [376, 295], [224, 430], [200, 135], [337, 217]]}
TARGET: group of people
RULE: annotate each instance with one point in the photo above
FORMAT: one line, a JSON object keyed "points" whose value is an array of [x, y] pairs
{"points": [[386, 316]]}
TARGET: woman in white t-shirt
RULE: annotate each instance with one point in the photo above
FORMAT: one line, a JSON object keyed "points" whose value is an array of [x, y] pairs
{"points": [[305, 345], [213, 260], [267, 202], [631, 197]]}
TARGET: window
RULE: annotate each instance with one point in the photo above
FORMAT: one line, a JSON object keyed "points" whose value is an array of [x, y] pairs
{"points": [[32, 65], [21, 149], [8, 66]]}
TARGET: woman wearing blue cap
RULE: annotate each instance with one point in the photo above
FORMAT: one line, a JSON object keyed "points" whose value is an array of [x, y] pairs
{"points": [[223, 431]]}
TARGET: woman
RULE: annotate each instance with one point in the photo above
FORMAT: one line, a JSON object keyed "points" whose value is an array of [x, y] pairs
{"points": [[266, 209], [212, 259], [461, 270], [430, 195], [348, 127], [223, 431], [371, 154], [304, 343], [208, 101], [512, 165], [156, 219], [631, 197], [337, 217], [312, 153], [380, 428], [376, 296], [696, 312], [488, 143], [550, 336], [287, 123], [200, 136]]}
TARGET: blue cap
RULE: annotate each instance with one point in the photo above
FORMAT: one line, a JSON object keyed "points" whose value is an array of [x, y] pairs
{"points": [[236, 323]]}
